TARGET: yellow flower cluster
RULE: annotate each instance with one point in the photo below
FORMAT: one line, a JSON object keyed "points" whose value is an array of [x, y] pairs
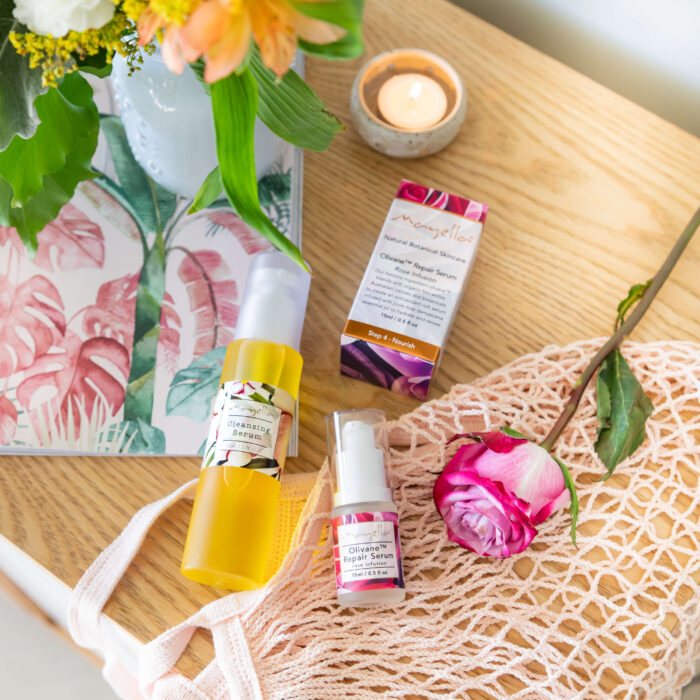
{"points": [[171, 11], [57, 56]]}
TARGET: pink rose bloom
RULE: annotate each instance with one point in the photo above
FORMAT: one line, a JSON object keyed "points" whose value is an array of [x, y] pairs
{"points": [[494, 491], [412, 191]]}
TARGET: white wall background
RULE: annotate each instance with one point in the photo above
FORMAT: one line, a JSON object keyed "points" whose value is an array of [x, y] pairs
{"points": [[647, 50]]}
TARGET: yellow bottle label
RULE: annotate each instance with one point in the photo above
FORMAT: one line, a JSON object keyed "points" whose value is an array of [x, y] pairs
{"points": [[250, 427]]}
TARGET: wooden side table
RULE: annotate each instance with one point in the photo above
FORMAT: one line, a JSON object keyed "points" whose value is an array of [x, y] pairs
{"points": [[587, 193]]}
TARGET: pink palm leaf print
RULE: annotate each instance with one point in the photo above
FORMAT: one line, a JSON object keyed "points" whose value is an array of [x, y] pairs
{"points": [[212, 296], [70, 242], [251, 241], [31, 321], [8, 420], [112, 316], [72, 380]]}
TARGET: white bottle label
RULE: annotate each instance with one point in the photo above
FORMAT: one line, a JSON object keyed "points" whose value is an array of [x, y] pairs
{"points": [[250, 427], [367, 551]]}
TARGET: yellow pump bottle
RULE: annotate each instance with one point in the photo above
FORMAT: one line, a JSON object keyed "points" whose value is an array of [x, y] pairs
{"points": [[230, 533]]}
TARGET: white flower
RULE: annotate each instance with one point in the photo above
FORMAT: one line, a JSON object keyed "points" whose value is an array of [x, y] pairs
{"points": [[58, 17]]}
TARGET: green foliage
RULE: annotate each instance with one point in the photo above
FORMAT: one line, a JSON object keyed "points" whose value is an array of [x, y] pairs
{"points": [[154, 205], [346, 14], [192, 389], [141, 437], [273, 187], [39, 175], [635, 293], [138, 403], [574, 507], [512, 432], [20, 84], [290, 108], [234, 102], [68, 116], [208, 193], [623, 409], [97, 64]]}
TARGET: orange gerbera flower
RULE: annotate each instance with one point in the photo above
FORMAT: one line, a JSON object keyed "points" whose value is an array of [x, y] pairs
{"points": [[221, 31]]}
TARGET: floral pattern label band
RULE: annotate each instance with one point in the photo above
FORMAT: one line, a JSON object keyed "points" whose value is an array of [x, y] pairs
{"points": [[367, 551], [250, 427]]}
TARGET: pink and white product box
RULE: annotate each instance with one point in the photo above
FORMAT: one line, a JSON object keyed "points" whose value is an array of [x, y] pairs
{"points": [[411, 290]]}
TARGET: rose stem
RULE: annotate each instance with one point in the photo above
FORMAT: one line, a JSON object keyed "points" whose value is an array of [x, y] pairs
{"points": [[624, 330]]}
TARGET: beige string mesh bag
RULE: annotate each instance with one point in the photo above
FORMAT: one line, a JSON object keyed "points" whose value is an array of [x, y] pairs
{"points": [[619, 617]]}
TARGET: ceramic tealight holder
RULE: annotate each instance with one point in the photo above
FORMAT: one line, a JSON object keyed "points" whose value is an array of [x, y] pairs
{"points": [[414, 87]]}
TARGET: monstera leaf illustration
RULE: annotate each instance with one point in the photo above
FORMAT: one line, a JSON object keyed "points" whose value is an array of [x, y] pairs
{"points": [[212, 297], [31, 321], [72, 380], [70, 242], [8, 420]]}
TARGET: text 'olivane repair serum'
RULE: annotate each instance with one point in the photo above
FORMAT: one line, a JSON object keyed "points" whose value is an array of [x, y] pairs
{"points": [[230, 534], [365, 522]]}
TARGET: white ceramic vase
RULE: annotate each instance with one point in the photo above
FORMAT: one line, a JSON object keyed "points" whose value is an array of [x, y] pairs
{"points": [[169, 125]]}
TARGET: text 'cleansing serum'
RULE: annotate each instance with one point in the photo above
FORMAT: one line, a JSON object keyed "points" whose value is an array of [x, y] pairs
{"points": [[365, 522]]}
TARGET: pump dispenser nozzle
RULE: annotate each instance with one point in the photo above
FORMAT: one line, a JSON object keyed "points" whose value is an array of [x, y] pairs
{"points": [[357, 452]]}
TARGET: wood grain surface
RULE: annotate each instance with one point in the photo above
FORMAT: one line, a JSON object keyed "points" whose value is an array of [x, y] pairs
{"points": [[587, 193]]}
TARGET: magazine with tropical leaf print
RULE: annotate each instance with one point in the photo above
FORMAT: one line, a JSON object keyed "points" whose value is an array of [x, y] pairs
{"points": [[113, 337]]}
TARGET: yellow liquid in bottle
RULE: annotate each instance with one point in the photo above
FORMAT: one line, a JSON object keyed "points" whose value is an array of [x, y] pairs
{"points": [[230, 533]]}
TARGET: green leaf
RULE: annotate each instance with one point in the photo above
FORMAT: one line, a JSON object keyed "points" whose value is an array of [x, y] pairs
{"points": [[623, 409], [208, 193], [57, 187], [344, 13], [234, 102], [512, 432], [20, 84], [141, 437], [274, 187], [198, 69], [573, 509], [138, 403], [115, 191], [99, 64], [68, 116], [193, 389], [291, 109], [635, 293], [154, 205]]}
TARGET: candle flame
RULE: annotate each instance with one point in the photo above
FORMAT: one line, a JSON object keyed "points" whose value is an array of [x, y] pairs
{"points": [[414, 92]]}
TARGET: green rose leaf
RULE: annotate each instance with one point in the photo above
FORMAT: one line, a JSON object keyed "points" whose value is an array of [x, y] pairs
{"points": [[153, 204], [193, 388], [344, 13], [290, 108], [573, 508], [234, 102], [635, 293], [208, 193], [39, 175], [512, 432], [623, 409], [20, 84]]}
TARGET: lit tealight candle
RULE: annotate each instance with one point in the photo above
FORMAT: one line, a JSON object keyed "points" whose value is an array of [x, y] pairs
{"points": [[412, 101]]}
